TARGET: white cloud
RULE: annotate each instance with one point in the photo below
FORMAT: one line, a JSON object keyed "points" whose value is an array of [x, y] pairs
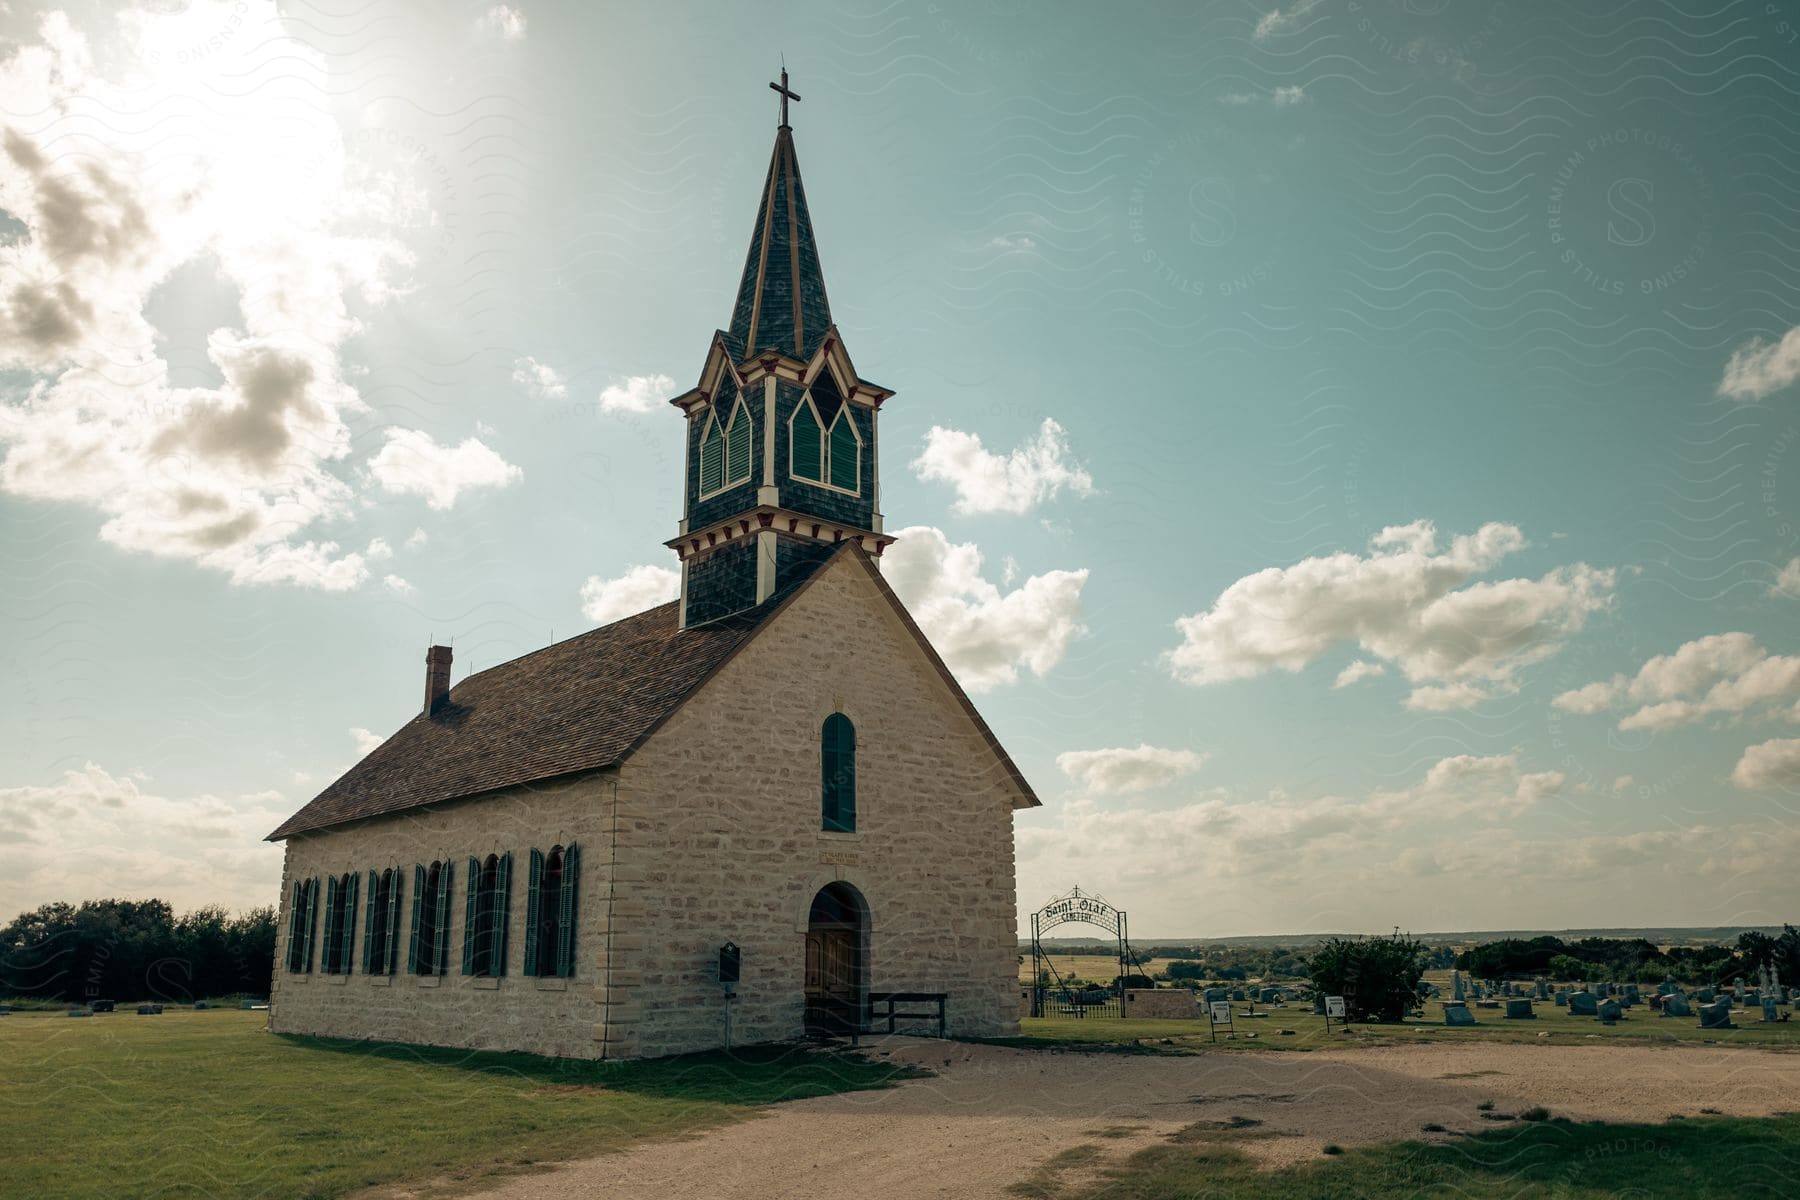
{"points": [[636, 393], [1275, 21], [364, 741], [411, 463], [1125, 769], [1014, 244], [397, 585], [232, 476], [506, 21], [93, 833], [983, 634], [1768, 765], [1015, 482], [1405, 602], [1286, 97], [1721, 674], [607, 600], [378, 550], [1787, 581], [417, 538], [1758, 368], [540, 379], [1358, 671]]}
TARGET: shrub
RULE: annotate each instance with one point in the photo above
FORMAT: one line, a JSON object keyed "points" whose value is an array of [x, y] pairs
{"points": [[1378, 977]]}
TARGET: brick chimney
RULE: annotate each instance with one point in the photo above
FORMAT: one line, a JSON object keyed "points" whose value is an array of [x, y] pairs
{"points": [[437, 678]]}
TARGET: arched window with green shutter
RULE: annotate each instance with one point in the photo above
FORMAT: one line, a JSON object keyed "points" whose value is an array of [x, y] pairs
{"points": [[740, 443], [837, 774], [846, 453], [712, 457], [484, 928], [806, 452], [550, 912], [566, 912]]}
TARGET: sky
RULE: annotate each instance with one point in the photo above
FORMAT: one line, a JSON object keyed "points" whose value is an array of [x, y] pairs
{"points": [[1349, 450]]}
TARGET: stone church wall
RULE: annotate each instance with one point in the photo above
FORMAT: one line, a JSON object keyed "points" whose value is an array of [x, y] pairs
{"points": [[719, 836], [510, 1012]]}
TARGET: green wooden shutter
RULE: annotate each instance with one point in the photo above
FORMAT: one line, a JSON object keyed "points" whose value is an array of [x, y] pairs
{"points": [[413, 947], [469, 916], [395, 880], [712, 457], [844, 464], [312, 920], [534, 879], [441, 931], [804, 452], [738, 443], [328, 947], [347, 926], [369, 921], [565, 912], [502, 914], [293, 942]]}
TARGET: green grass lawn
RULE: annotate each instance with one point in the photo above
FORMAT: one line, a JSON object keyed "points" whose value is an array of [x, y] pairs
{"points": [[1709, 1158], [1309, 1031], [208, 1103]]}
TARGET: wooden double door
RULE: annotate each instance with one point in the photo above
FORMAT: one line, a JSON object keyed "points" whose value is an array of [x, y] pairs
{"points": [[833, 981]]}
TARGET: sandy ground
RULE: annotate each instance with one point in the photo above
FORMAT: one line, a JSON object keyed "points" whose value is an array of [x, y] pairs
{"points": [[991, 1115]]}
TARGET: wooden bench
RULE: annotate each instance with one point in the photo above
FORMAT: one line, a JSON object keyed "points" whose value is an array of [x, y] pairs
{"points": [[893, 1015]]}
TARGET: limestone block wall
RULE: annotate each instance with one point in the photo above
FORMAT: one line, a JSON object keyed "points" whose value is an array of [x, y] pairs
{"points": [[510, 1012], [1175, 1003], [719, 838]]}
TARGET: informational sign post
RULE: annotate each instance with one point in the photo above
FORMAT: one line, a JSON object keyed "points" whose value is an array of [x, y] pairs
{"points": [[1334, 1007], [1219, 1011]]}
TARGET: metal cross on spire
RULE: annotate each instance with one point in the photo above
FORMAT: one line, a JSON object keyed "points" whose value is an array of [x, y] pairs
{"points": [[786, 95]]}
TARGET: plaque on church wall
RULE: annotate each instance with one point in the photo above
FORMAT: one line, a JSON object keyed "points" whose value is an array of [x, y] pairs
{"points": [[838, 858]]}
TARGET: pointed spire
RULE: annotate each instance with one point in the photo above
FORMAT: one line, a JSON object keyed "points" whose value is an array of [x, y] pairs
{"points": [[781, 303]]}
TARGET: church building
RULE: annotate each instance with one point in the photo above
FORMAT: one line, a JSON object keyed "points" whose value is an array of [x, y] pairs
{"points": [[774, 776]]}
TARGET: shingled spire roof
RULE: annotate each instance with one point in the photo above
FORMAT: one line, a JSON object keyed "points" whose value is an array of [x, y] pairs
{"points": [[781, 302]]}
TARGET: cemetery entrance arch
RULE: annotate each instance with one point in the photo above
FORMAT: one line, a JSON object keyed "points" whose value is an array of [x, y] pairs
{"points": [[1053, 994]]}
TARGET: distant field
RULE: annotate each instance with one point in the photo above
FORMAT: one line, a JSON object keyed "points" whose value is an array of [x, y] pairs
{"points": [[210, 1104]]}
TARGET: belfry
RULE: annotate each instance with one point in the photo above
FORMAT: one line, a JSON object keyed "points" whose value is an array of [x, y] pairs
{"points": [[782, 436]]}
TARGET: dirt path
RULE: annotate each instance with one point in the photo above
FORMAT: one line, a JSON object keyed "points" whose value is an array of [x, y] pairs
{"points": [[991, 1115]]}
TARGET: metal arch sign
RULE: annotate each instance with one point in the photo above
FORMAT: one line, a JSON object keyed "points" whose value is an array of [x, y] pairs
{"points": [[1079, 908]]}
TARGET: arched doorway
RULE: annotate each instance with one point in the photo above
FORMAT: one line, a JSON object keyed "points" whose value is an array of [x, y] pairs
{"points": [[836, 948]]}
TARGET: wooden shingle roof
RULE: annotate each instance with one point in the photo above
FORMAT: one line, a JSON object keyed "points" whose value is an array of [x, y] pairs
{"points": [[580, 705]]}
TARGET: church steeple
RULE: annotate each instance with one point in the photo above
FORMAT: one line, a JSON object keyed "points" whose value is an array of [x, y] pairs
{"points": [[782, 432]]}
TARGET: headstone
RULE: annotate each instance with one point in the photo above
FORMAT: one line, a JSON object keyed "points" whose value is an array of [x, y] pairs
{"points": [[1214, 995], [201, 1006], [5, 1009], [1562, 999], [1458, 1014], [1543, 989], [1456, 987], [1269, 996], [1716, 1015], [1705, 995], [149, 1010], [1583, 1004], [1239, 994], [1609, 1010], [1676, 1005], [1667, 986], [80, 1012], [101, 1006], [1519, 1010], [1631, 995], [1769, 1011]]}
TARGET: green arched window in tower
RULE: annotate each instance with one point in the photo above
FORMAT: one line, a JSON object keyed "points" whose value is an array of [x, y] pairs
{"points": [[844, 457], [712, 457], [739, 441], [806, 445], [837, 774]]}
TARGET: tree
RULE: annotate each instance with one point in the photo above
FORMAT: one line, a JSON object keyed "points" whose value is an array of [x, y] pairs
{"points": [[1186, 970], [1378, 977], [135, 950], [1565, 966]]}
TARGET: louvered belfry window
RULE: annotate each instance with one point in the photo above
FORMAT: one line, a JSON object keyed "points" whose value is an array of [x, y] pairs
{"points": [[712, 457], [837, 774], [807, 455], [550, 911], [845, 467], [740, 445]]}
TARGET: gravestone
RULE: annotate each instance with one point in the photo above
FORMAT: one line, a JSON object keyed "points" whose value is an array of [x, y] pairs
{"points": [[1583, 1004], [1562, 999], [1667, 986], [1458, 1014], [1676, 1005], [1631, 995], [1543, 989], [149, 1010], [1716, 1015], [1609, 1010], [1705, 995], [80, 1012], [1769, 1011], [101, 1006], [201, 1006], [1519, 1010], [1456, 987], [5, 1010], [1214, 995], [1737, 990], [1269, 996], [1239, 994]]}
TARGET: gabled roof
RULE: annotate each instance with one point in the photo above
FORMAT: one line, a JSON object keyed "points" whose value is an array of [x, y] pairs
{"points": [[582, 704], [781, 302]]}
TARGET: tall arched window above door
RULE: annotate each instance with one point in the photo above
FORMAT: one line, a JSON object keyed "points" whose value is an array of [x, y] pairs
{"points": [[837, 774]]}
